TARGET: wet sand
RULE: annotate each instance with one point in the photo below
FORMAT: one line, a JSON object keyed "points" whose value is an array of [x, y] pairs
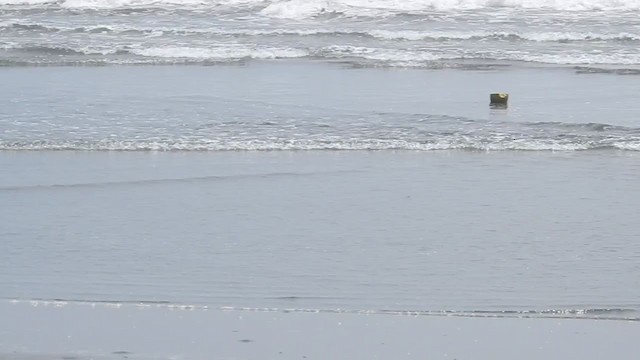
{"points": [[99, 331]]}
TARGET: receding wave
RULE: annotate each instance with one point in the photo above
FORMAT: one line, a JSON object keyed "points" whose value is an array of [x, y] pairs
{"points": [[627, 314], [441, 143], [593, 313], [591, 126], [600, 70], [146, 182], [372, 131]]}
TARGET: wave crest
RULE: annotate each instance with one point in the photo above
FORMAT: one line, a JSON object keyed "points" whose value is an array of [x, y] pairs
{"points": [[408, 35], [220, 53], [430, 58]]}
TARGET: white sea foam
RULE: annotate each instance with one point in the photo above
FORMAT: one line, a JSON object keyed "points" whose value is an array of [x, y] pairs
{"points": [[224, 52], [436, 144], [369, 56], [382, 54], [622, 145], [387, 56], [422, 35], [300, 8], [412, 35], [110, 4], [307, 8], [580, 58], [450, 40], [24, 2]]}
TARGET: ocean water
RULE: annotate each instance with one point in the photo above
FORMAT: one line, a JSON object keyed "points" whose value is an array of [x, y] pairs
{"points": [[309, 187], [596, 34], [322, 156]]}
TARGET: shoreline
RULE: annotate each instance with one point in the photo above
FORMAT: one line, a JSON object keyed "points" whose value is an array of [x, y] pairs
{"points": [[84, 332], [558, 313]]}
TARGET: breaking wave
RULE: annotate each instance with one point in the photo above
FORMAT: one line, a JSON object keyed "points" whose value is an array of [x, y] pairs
{"points": [[408, 35], [435, 58], [221, 53], [52, 55]]}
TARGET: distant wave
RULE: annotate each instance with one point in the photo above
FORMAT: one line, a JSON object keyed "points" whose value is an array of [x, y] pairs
{"points": [[222, 52], [597, 313], [408, 35], [60, 55], [305, 8], [56, 50], [501, 36]]}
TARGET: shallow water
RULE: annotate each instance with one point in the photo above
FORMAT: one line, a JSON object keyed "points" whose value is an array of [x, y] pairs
{"points": [[307, 106], [262, 206], [481, 228], [360, 231]]}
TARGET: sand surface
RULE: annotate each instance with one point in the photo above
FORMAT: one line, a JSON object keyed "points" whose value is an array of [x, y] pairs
{"points": [[94, 331]]}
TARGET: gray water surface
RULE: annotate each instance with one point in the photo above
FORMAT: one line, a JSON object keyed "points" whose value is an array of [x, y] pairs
{"points": [[327, 230], [431, 34], [306, 186], [309, 106]]}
